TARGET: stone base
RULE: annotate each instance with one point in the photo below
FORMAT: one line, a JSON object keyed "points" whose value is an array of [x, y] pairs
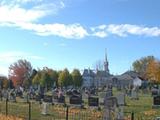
{"points": [[155, 106]]}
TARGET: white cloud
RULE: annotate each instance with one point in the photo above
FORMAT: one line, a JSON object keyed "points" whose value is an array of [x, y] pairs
{"points": [[72, 31], [16, 14], [15, 11], [101, 34], [124, 30]]}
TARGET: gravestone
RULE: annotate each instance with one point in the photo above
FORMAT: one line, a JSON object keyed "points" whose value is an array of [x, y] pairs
{"points": [[121, 99], [38, 98], [1, 96], [61, 99], [119, 115], [134, 95], [5, 94], [48, 99], [45, 108], [156, 101], [157, 118], [93, 101], [110, 104], [12, 96], [155, 91], [109, 93], [25, 96], [76, 100]]}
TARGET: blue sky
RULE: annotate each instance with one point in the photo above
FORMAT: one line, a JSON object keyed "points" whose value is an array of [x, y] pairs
{"points": [[75, 33]]}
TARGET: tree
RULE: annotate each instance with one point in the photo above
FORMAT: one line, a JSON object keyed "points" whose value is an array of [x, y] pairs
{"points": [[53, 77], [36, 78], [153, 71], [20, 73], [3, 82], [64, 78], [140, 65], [44, 80], [45, 77], [77, 78], [34, 73]]}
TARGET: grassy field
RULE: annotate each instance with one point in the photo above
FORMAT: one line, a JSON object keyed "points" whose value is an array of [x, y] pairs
{"points": [[142, 109]]}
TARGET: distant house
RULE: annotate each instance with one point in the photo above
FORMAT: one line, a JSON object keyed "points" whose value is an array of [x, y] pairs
{"points": [[129, 78], [137, 81]]}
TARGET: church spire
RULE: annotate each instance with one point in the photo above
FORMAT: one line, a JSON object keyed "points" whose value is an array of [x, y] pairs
{"points": [[106, 64]]}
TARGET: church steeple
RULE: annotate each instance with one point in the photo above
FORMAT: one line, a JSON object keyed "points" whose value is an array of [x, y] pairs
{"points": [[106, 64]]}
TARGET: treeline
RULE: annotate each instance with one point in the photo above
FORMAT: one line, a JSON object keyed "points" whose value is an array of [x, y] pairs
{"points": [[148, 68], [21, 73]]}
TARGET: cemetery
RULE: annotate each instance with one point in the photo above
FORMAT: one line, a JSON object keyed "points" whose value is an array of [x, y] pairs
{"points": [[115, 106]]}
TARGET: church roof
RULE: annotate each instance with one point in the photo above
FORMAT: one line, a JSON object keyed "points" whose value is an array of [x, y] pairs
{"points": [[88, 72], [102, 73]]}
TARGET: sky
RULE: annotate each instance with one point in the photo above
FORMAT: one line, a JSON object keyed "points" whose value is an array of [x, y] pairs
{"points": [[76, 33]]}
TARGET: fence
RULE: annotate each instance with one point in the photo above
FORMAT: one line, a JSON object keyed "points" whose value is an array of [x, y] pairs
{"points": [[32, 111]]}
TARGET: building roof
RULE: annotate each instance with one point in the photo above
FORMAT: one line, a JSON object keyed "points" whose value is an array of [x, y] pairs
{"points": [[132, 74], [88, 72], [102, 74]]}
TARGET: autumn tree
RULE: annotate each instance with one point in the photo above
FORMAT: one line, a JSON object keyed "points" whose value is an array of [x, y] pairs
{"points": [[20, 73], [153, 71], [77, 78], [140, 65]]}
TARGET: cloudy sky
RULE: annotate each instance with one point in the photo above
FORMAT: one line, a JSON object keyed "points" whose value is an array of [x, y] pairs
{"points": [[75, 33]]}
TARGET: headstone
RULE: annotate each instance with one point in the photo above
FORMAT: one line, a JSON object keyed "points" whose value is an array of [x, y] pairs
{"points": [[110, 104], [120, 113], [121, 99], [93, 101], [155, 91], [25, 96], [156, 100], [12, 96], [109, 93], [61, 99], [45, 108], [5, 94], [157, 118], [76, 100], [134, 94], [48, 99], [1, 95]]}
